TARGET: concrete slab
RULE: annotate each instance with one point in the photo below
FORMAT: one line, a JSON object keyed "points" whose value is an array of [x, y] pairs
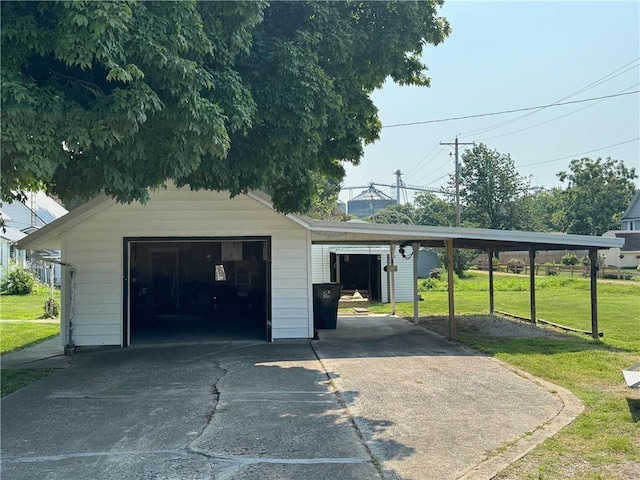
{"points": [[428, 408], [47, 354], [377, 398]]}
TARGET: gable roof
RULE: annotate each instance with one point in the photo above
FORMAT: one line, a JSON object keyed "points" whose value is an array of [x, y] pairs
{"points": [[633, 210], [364, 233], [39, 210], [631, 240]]}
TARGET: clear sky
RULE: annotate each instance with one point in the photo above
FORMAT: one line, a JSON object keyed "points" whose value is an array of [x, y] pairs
{"points": [[506, 55]]}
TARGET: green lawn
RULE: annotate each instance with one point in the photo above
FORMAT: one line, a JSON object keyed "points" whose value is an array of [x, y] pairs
{"points": [[17, 335], [604, 442], [25, 307]]}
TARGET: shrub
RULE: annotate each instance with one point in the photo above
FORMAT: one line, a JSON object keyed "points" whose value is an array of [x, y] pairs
{"points": [[515, 265], [585, 261], [569, 259], [51, 308], [18, 282]]}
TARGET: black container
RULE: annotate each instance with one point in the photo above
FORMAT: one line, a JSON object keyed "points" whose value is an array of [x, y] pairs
{"points": [[325, 305]]}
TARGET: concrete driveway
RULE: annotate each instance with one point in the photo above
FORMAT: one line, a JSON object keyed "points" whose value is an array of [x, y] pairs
{"points": [[376, 398]]}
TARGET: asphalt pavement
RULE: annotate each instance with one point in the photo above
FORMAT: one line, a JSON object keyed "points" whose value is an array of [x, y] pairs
{"points": [[376, 398]]}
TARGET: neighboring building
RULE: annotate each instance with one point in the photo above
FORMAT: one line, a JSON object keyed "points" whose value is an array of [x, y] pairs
{"points": [[199, 264], [369, 202], [428, 261], [625, 256], [37, 211], [362, 268], [631, 218], [9, 254]]}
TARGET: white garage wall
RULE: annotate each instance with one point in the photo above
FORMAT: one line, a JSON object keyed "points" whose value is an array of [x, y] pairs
{"points": [[95, 248]]}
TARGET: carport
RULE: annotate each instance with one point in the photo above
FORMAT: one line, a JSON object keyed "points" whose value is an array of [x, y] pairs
{"points": [[489, 241]]}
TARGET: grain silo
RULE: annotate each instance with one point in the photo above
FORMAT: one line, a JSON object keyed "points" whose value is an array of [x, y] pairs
{"points": [[369, 202]]}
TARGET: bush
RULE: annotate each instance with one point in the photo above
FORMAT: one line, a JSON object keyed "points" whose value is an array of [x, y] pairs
{"points": [[18, 282], [51, 308], [569, 259], [515, 265]]}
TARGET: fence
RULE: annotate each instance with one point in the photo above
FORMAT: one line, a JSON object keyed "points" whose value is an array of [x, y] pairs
{"points": [[546, 269]]}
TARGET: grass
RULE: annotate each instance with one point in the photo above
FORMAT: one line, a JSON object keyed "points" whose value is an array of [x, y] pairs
{"points": [[604, 442], [25, 307], [17, 335], [13, 380], [21, 334]]}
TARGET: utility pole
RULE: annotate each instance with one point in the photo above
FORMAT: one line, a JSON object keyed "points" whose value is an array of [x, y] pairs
{"points": [[456, 144]]}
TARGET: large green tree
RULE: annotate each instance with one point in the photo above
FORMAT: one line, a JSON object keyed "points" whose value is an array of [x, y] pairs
{"points": [[121, 96], [430, 209], [491, 189], [597, 194]]}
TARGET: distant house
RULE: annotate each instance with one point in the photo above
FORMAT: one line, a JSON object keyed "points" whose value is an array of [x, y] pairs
{"points": [[631, 218], [22, 219], [9, 254], [626, 256]]}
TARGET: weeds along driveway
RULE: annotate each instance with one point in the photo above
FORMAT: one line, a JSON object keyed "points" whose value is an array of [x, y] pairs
{"points": [[376, 398]]}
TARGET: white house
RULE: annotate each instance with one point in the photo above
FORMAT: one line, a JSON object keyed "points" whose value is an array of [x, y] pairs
{"points": [[631, 218], [38, 210], [196, 263], [627, 255], [9, 254]]}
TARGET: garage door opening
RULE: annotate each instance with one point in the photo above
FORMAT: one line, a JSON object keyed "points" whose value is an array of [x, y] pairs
{"points": [[179, 289], [358, 272]]}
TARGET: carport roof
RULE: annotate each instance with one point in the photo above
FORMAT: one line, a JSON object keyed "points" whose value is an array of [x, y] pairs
{"points": [[482, 238], [355, 233]]}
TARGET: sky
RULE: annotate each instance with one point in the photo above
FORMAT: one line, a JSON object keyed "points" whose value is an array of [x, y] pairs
{"points": [[506, 55]]}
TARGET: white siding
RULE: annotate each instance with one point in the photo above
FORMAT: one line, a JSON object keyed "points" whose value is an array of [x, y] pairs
{"points": [[95, 248], [403, 278]]}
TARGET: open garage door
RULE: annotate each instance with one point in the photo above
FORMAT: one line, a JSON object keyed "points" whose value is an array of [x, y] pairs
{"points": [[186, 289]]}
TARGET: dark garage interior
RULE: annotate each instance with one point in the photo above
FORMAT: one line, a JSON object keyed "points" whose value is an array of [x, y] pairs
{"points": [[358, 272], [198, 287]]}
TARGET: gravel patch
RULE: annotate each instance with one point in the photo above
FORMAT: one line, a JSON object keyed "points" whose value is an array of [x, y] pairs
{"points": [[491, 326]]}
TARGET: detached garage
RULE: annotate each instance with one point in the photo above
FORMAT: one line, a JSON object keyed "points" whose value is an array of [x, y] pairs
{"points": [[188, 264], [185, 263]]}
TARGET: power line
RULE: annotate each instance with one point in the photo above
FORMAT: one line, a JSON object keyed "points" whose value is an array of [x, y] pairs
{"points": [[578, 154], [593, 84], [552, 119], [508, 111]]}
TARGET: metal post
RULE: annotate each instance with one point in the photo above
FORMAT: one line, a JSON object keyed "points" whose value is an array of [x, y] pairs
{"points": [[453, 334], [492, 306], [593, 257], [415, 246], [532, 284], [392, 280]]}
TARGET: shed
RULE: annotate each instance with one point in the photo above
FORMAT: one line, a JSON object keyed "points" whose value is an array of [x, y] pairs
{"points": [[364, 268], [202, 263]]}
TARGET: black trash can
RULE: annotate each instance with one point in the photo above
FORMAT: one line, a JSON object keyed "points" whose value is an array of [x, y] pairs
{"points": [[325, 305]]}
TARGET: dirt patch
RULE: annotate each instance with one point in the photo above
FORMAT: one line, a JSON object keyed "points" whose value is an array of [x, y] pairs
{"points": [[491, 326]]}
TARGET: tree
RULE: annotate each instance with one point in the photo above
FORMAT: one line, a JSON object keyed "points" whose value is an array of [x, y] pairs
{"points": [[394, 214], [432, 210], [597, 194], [490, 189], [541, 211], [325, 204], [119, 97]]}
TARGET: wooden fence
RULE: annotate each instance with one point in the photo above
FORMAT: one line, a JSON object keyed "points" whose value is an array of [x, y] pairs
{"points": [[546, 269]]}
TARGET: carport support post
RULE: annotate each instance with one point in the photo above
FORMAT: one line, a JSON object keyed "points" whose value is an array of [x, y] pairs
{"points": [[532, 284], [415, 246], [453, 335], [593, 259], [492, 304], [392, 280]]}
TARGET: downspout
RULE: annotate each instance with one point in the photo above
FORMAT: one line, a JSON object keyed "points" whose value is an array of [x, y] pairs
{"points": [[69, 348]]}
